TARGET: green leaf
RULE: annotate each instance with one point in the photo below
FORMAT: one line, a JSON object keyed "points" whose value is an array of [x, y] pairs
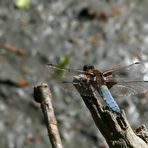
{"points": [[2, 52], [63, 64], [23, 4]]}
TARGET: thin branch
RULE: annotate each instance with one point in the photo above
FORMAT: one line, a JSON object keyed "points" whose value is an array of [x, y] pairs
{"points": [[43, 96]]}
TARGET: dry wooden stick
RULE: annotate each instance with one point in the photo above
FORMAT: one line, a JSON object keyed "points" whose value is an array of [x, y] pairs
{"points": [[42, 95], [114, 127]]}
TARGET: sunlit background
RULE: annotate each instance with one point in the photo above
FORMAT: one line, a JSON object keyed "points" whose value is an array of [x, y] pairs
{"points": [[69, 33]]}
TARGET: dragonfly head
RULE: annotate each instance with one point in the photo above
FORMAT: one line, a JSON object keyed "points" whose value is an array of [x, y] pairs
{"points": [[88, 68]]}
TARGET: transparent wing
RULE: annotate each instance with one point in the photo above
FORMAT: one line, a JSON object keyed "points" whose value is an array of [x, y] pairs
{"points": [[127, 88], [59, 69], [134, 71], [60, 73], [62, 79]]}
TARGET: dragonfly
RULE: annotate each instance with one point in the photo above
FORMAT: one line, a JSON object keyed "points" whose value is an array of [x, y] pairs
{"points": [[124, 81]]}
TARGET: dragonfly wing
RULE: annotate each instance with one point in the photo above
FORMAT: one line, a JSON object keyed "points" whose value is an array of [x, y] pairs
{"points": [[135, 70], [128, 88], [59, 72], [63, 78]]}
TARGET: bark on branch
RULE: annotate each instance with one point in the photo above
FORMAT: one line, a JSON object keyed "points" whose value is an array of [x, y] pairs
{"points": [[43, 96], [114, 127]]}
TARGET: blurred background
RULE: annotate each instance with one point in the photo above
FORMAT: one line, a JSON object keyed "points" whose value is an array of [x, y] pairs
{"points": [[71, 33]]}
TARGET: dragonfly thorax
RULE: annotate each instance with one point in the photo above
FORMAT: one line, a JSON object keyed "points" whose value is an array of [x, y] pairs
{"points": [[94, 77]]}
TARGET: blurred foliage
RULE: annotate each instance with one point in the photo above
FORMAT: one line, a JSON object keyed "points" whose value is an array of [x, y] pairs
{"points": [[59, 73], [23, 4], [2, 52]]}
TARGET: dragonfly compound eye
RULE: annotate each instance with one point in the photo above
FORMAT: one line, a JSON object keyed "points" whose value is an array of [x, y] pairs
{"points": [[88, 67]]}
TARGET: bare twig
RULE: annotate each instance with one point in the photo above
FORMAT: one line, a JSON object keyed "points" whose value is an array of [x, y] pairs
{"points": [[18, 51], [42, 95], [114, 127], [20, 83]]}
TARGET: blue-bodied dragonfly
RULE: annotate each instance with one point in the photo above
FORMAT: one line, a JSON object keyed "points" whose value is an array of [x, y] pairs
{"points": [[126, 81]]}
